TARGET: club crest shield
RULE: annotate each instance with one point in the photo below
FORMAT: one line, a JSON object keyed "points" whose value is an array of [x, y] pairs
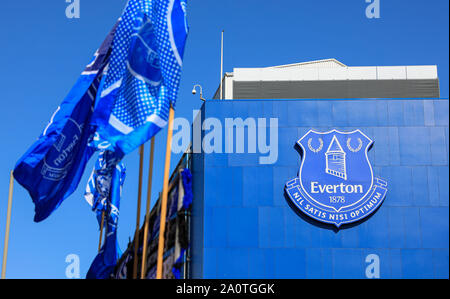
{"points": [[336, 183]]}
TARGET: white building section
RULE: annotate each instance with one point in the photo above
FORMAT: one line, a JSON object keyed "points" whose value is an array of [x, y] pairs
{"points": [[330, 78]]}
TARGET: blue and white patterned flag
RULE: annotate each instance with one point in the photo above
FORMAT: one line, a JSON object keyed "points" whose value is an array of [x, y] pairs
{"points": [[143, 76], [103, 193]]}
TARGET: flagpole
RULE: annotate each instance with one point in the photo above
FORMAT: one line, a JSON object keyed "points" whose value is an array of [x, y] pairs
{"points": [[138, 216], [147, 210], [162, 225], [221, 67], [101, 231], [8, 223]]}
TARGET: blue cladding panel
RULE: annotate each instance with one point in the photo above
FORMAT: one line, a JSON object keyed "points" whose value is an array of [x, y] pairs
{"points": [[441, 113], [415, 146], [394, 146], [290, 263], [440, 262], [253, 196], [280, 176], [216, 228], [264, 226], [395, 113], [257, 261], [232, 263], [381, 153], [428, 111], [290, 223], [239, 235], [411, 218], [351, 237], [439, 148], [443, 185], [359, 116], [276, 229], [399, 179], [372, 234], [325, 114], [397, 230], [348, 263], [434, 227], [248, 229], [420, 181], [313, 263], [413, 113], [395, 263], [340, 116], [210, 258], [417, 263], [287, 155]]}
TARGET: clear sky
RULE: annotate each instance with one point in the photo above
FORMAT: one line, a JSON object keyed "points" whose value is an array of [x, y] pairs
{"points": [[43, 52]]}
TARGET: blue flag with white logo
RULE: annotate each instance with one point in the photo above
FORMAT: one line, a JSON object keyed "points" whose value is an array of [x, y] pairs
{"points": [[143, 77], [98, 189], [52, 168], [103, 193]]}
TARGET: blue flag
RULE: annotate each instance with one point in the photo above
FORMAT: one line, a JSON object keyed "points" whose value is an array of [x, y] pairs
{"points": [[52, 168], [140, 84], [103, 194], [143, 77], [98, 189]]}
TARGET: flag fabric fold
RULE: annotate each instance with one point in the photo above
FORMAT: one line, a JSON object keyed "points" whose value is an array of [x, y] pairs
{"points": [[143, 77], [53, 166]]}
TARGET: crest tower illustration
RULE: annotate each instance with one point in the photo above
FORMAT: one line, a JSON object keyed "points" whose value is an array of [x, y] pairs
{"points": [[335, 160]]}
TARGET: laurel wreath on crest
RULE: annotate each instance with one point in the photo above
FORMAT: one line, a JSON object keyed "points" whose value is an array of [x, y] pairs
{"points": [[315, 150], [354, 150]]}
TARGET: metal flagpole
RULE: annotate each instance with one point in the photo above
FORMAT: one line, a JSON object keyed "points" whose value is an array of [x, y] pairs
{"points": [[147, 211], [101, 231], [162, 226], [138, 216], [221, 67], [8, 222]]}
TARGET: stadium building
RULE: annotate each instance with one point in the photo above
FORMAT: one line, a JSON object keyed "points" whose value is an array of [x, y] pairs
{"points": [[343, 174], [243, 225]]}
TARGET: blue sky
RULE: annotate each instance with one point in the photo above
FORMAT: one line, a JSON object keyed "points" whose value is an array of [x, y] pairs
{"points": [[42, 54]]}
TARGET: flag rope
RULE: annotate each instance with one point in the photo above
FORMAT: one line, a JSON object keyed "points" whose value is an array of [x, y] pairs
{"points": [[162, 226]]}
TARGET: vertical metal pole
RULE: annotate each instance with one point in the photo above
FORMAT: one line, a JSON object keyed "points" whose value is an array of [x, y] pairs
{"points": [[138, 216], [221, 67], [147, 211], [162, 226], [8, 223]]}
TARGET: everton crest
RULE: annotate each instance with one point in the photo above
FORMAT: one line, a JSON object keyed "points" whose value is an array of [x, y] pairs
{"points": [[335, 183]]}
